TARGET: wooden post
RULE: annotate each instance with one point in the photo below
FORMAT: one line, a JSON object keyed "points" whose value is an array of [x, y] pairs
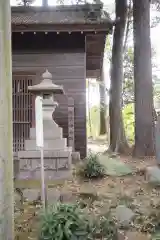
{"points": [[6, 152], [71, 123]]}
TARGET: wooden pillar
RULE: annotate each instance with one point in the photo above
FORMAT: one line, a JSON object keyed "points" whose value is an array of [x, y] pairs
{"points": [[6, 152], [71, 139]]}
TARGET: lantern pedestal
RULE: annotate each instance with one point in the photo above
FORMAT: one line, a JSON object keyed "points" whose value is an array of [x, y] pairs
{"points": [[53, 134]]}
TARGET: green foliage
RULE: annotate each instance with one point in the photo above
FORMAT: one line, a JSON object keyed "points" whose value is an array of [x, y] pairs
{"points": [[128, 118], [91, 167], [105, 228], [65, 222], [156, 88], [128, 83], [69, 222], [93, 130]]}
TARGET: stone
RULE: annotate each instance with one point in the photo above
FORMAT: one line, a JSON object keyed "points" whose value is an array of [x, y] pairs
{"points": [[53, 195], [88, 192], [31, 194], [136, 236], [155, 236], [88, 189], [67, 197], [121, 235], [114, 166], [124, 215], [153, 175], [15, 165], [76, 157]]}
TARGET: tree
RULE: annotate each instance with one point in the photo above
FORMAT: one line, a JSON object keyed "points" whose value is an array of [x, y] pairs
{"points": [[144, 120], [6, 156], [117, 137]]}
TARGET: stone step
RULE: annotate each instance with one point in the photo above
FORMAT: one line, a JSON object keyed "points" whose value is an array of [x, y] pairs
{"points": [[53, 144], [48, 154], [50, 164], [49, 175]]}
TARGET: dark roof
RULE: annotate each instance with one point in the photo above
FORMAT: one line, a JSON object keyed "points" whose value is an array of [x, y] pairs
{"points": [[88, 17], [59, 15]]}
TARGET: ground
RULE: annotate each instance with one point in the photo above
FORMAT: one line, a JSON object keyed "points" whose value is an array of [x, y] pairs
{"points": [[103, 195]]}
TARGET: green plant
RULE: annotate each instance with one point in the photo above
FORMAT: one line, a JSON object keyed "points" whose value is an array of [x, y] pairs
{"points": [[65, 222], [91, 167], [105, 228]]}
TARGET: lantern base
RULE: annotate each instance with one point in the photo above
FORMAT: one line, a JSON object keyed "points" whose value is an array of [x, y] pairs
{"points": [[57, 164], [57, 156]]}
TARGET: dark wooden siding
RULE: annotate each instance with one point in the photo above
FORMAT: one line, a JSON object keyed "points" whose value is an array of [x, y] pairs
{"points": [[68, 69], [63, 42]]}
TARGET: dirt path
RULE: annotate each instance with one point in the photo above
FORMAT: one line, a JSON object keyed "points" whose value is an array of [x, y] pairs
{"points": [[96, 145]]}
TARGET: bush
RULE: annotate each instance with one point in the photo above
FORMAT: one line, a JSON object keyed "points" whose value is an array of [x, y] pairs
{"points": [[68, 222], [91, 167], [65, 222]]}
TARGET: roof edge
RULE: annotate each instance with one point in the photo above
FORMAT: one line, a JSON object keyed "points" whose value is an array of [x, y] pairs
{"points": [[82, 7]]}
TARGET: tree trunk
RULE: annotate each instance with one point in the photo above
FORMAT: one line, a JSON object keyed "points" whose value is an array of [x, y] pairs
{"points": [[144, 119], [122, 144], [6, 156], [102, 94], [117, 135], [44, 3]]}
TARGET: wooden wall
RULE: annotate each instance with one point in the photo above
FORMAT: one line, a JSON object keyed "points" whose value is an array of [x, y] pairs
{"points": [[68, 69]]}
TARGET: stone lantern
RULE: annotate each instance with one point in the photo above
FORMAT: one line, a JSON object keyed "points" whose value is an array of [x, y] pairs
{"points": [[52, 133], [57, 156]]}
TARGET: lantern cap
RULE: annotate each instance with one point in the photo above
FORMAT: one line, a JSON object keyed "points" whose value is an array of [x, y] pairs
{"points": [[46, 86], [47, 75]]}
